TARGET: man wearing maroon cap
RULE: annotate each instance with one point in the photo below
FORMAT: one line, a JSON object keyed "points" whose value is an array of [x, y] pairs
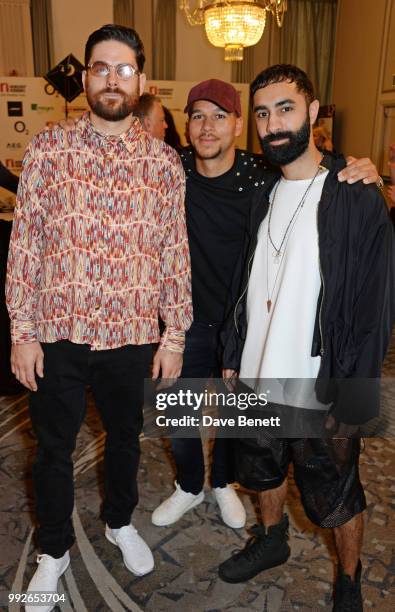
{"points": [[222, 182]]}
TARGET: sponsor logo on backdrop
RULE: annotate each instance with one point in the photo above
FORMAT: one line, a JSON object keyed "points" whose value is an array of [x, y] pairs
{"points": [[12, 90], [41, 109], [13, 164], [163, 92], [49, 89], [15, 109], [14, 145], [20, 126], [166, 92]]}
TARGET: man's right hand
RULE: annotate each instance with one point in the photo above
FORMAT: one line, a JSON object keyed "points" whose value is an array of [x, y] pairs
{"points": [[26, 361]]}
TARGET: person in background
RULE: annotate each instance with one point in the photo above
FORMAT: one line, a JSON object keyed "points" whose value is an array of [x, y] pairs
{"points": [[98, 252], [152, 116], [8, 180], [321, 138], [391, 188], [172, 137], [8, 384]]}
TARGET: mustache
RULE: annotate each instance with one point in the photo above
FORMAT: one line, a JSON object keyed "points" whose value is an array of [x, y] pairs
{"points": [[277, 136], [111, 91]]}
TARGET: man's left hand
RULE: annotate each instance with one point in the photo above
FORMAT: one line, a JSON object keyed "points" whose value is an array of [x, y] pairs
{"points": [[169, 363], [359, 170]]}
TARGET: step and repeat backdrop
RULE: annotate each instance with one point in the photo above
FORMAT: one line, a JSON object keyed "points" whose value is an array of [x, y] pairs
{"points": [[27, 105]]}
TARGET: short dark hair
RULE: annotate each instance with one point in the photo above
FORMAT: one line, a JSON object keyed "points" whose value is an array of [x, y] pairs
{"points": [[120, 33], [284, 72], [144, 105], [172, 137]]}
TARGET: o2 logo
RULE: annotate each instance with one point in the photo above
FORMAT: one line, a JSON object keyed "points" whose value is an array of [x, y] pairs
{"points": [[20, 127]]}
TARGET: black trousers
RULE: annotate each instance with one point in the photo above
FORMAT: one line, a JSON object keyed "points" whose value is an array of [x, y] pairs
{"points": [[201, 361], [57, 410]]}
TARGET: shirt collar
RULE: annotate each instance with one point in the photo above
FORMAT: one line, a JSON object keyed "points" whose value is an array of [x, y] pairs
{"points": [[91, 135]]}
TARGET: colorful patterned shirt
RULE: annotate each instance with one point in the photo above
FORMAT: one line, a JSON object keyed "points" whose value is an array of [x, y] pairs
{"points": [[99, 246]]}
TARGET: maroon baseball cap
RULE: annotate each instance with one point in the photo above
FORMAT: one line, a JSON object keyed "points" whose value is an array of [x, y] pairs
{"points": [[216, 91]]}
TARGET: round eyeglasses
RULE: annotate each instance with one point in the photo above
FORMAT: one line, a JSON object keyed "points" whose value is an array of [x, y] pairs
{"points": [[102, 69]]}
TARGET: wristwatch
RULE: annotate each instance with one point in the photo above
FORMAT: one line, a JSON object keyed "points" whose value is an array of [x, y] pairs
{"points": [[380, 183]]}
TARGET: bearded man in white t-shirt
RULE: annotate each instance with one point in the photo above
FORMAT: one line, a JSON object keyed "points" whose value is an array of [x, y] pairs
{"points": [[317, 304]]}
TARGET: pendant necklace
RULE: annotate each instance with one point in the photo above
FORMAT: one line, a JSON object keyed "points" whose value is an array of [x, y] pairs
{"points": [[279, 252]]}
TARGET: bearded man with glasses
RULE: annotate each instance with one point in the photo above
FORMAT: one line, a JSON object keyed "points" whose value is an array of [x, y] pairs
{"points": [[98, 252]]}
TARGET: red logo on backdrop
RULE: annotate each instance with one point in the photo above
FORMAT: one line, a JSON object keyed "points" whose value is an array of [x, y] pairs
{"points": [[12, 163], [4, 88], [153, 90]]}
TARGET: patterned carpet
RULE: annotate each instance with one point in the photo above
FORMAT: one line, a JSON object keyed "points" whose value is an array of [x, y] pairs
{"points": [[188, 553]]}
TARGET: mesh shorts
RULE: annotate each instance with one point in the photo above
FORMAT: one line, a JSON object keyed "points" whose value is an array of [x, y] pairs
{"points": [[326, 473]]}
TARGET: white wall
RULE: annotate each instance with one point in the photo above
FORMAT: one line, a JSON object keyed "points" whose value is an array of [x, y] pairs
{"points": [[73, 21]]}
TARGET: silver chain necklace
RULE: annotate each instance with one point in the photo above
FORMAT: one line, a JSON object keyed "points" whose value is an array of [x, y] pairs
{"points": [[278, 254], [277, 251]]}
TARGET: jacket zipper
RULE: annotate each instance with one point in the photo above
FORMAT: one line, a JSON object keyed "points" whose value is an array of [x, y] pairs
{"points": [[244, 291], [322, 350]]}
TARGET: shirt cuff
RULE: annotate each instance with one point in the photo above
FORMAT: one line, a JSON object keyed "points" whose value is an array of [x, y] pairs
{"points": [[23, 332], [173, 340]]}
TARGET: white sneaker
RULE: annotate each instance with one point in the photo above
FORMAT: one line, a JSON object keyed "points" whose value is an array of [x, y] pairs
{"points": [[46, 578], [232, 510], [136, 554], [175, 506]]}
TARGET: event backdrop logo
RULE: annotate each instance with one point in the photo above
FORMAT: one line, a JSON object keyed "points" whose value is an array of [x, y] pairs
{"points": [[43, 109], [66, 77], [20, 126], [15, 109], [12, 90], [13, 164]]}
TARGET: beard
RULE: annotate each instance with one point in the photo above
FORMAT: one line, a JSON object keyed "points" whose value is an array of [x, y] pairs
{"points": [[282, 155], [202, 153], [112, 110]]}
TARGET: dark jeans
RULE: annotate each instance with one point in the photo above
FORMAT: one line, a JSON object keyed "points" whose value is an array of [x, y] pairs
{"points": [[201, 361], [57, 410]]}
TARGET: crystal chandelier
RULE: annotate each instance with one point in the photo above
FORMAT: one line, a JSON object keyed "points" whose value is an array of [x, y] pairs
{"points": [[234, 24]]}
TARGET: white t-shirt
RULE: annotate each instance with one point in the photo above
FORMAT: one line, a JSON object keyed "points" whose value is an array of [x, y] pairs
{"points": [[278, 343]]}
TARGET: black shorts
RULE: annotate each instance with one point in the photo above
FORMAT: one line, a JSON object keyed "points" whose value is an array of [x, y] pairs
{"points": [[326, 473]]}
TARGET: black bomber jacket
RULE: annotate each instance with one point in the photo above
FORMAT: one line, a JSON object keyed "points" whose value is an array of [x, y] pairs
{"points": [[356, 305]]}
